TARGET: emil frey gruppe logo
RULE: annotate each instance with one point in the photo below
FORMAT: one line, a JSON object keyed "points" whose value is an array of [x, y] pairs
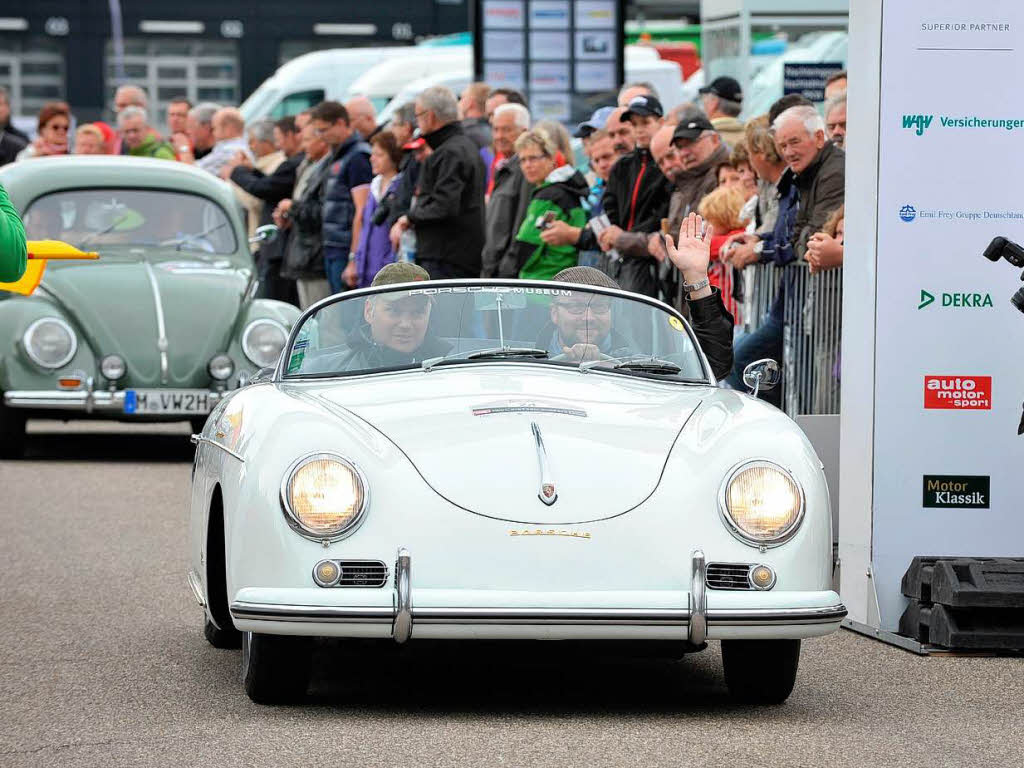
{"points": [[961, 393], [909, 213]]}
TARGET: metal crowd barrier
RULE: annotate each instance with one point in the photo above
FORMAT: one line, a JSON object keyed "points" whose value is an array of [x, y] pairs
{"points": [[812, 332]]}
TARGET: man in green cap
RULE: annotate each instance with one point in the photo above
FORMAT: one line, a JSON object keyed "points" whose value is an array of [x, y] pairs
{"points": [[13, 252]]}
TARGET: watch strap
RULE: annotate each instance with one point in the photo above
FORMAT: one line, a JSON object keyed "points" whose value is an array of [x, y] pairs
{"points": [[698, 286]]}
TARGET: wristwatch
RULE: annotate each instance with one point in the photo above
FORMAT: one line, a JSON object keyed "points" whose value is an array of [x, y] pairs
{"points": [[698, 286]]}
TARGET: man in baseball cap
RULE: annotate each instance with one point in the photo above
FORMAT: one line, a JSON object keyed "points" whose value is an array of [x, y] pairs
{"points": [[722, 100], [596, 122]]}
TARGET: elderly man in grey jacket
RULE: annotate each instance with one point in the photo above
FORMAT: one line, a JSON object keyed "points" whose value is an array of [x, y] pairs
{"points": [[511, 194]]}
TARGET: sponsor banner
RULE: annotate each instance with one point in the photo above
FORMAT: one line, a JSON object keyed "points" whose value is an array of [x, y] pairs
{"points": [[808, 78], [956, 492], [970, 393], [947, 389]]}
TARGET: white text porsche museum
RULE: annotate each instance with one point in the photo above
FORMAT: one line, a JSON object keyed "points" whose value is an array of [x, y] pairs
{"points": [[489, 460]]}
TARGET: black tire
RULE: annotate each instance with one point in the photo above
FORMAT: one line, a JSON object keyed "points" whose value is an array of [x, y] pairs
{"points": [[12, 433], [276, 668], [228, 637], [760, 671]]}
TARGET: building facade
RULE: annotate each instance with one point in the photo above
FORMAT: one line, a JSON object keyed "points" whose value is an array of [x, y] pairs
{"points": [[217, 50]]}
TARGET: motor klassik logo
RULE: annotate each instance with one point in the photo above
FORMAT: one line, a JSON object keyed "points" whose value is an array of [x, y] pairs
{"points": [[956, 491], [963, 393]]}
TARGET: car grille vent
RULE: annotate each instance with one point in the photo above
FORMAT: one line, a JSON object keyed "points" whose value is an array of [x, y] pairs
{"points": [[362, 573], [728, 576]]}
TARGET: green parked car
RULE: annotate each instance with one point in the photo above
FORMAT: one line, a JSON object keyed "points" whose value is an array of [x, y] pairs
{"points": [[161, 326]]}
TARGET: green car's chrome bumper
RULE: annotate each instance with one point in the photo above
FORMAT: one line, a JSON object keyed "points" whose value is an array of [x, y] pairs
{"points": [[85, 401]]}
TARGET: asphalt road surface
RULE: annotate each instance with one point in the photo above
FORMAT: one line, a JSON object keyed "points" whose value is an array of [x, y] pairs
{"points": [[104, 664]]}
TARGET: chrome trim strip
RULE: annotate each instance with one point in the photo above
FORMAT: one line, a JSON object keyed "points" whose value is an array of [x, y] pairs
{"points": [[197, 588], [698, 599], [741, 617], [161, 325], [401, 627], [87, 401], [539, 616], [547, 493], [313, 613], [199, 439]]}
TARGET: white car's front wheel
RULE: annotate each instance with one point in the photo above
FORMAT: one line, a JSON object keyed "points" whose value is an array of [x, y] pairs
{"points": [[760, 671], [275, 668]]}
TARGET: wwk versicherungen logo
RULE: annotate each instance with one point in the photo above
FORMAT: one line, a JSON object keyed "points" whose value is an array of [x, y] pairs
{"points": [[919, 123]]}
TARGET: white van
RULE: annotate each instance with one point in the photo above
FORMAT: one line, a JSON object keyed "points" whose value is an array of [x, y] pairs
{"points": [[382, 82], [642, 65], [307, 80]]}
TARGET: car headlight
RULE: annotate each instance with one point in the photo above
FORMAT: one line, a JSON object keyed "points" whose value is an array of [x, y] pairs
{"points": [[762, 503], [220, 367], [50, 342], [262, 342], [324, 496], [112, 367]]}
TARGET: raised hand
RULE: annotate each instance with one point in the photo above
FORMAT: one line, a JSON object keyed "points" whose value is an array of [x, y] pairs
{"points": [[693, 253]]}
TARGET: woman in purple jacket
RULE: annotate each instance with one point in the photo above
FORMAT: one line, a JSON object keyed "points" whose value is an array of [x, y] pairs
{"points": [[374, 249]]}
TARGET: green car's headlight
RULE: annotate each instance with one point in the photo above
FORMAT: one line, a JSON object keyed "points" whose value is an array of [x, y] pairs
{"points": [[762, 503], [49, 342], [262, 342], [324, 496]]}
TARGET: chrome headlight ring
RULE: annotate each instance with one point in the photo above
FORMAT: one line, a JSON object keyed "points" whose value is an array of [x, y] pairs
{"points": [[254, 357], [33, 354], [733, 527], [292, 518]]}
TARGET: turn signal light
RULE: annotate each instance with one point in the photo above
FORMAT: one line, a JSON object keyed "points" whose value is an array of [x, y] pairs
{"points": [[327, 573], [69, 382], [762, 577]]}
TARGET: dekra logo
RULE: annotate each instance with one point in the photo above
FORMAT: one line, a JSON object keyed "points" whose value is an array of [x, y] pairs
{"points": [[918, 122], [957, 300]]}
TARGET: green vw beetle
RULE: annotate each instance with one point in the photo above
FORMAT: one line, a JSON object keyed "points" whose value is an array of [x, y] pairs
{"points": [[161, 326]]}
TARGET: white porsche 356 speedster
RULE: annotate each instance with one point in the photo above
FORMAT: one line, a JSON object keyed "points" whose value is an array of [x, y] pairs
{"points": [[506, 460]]}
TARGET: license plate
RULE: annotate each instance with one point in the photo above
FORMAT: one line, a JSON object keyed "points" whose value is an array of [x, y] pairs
{"points": [[185, 401]]}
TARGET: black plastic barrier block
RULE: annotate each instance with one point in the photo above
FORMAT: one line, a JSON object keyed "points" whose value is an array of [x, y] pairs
{"points": [[975, 629], [966, 582]]}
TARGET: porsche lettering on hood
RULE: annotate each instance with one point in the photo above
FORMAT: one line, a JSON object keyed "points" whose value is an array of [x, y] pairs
{"points": [[594, 468]]}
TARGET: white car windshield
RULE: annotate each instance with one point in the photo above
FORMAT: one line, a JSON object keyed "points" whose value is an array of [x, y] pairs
{"points": [[443, 324]]}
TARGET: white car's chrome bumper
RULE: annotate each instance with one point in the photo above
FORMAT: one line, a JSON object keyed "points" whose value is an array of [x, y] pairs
{"points": [[96, 401], [406, 613]]}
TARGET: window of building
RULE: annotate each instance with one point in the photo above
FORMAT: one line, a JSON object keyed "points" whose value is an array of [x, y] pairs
{"points": [[32, 72], [199, 70]]}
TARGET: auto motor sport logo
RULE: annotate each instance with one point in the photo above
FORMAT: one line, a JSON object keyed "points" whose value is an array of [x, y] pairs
{"points": [[962, 393], [956, 491]]}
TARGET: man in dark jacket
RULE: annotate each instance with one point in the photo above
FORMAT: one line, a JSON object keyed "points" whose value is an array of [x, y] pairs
{"points": [[448, 210], [272, 189], [347, 187], [12, 141], [636, 198], [711, 322]]}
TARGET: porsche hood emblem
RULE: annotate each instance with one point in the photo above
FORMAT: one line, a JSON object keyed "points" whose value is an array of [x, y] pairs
{"points": [[548, 491], [547, 494]]}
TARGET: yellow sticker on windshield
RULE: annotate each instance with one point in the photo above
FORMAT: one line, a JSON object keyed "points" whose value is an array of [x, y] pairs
{"points": [[676, 323]]}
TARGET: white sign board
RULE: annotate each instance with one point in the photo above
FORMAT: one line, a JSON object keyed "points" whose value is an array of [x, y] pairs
{"points": [[946, 461]]}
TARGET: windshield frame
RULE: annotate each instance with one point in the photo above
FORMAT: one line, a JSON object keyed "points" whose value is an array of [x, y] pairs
{"points": [[279, 369], [237, 234]]}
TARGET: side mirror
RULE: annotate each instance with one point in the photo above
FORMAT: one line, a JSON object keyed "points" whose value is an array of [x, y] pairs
{"points": [[762, 375], [263, 374], [265, 234]]}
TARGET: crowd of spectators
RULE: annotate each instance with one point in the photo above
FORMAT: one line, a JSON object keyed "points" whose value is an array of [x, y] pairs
{"points": [[472, 186]]}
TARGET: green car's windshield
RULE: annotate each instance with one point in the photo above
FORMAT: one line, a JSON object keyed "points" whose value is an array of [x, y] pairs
{"points": [[150, 217], [426, 328]]}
